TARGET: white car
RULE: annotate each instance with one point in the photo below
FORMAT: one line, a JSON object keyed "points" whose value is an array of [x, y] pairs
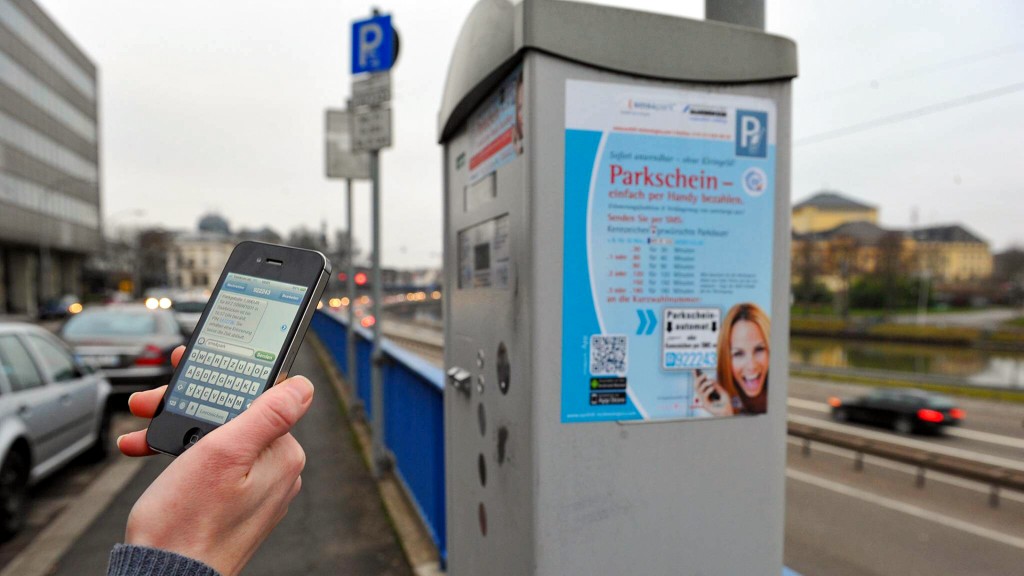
{"points": [[53, 408]]}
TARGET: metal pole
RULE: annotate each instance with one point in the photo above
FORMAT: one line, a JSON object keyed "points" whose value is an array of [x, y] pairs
{"points": [[350, 293], [377, 379], [748, 13]]}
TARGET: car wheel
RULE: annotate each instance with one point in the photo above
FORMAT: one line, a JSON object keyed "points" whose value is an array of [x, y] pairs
{"points": [[903, 425], [840, 415], [13, 494], [99, 450]]}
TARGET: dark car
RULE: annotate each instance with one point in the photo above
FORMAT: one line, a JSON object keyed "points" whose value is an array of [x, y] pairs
{"points": [[60, 308], [130, 343], [904, 410]]}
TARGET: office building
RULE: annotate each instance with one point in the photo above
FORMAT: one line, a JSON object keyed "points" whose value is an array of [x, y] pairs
{"points": [[49, 159]]}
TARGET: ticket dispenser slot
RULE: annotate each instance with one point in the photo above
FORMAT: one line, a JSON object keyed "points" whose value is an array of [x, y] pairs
{"points": [[616, 190]]}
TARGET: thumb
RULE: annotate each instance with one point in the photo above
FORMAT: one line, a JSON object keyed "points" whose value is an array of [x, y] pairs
{"points": [[271, 416]]}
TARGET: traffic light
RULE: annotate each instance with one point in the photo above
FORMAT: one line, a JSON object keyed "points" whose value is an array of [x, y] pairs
{"points": [[360, 278]]}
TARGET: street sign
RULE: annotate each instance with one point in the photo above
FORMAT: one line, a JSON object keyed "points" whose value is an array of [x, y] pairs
{"points": [[373, 46], [341, 161], [371, 129], [371, 89]]}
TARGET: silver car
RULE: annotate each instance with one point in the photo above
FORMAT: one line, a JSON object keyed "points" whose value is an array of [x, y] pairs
{"points": [[52, 408]]}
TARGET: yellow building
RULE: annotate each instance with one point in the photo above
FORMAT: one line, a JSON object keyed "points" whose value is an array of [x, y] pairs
{"points": [[952, 254], [828, 210]]}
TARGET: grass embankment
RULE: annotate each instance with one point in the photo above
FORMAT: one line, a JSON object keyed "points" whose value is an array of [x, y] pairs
{"points": [[1003, 338], [994, 394]]}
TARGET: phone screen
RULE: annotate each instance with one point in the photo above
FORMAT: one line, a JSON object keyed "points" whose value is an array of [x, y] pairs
{"points": [[236, 348]]}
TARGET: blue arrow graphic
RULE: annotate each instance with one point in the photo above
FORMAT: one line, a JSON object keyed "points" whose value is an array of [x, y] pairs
{"points": [[643, 322], [654, 322]]}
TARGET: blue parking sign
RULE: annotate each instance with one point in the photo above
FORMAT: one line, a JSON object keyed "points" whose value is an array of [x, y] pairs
{"points": [[373, 45]]}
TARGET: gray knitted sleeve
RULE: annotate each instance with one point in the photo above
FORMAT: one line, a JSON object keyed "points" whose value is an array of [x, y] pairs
{"points": [[126, 560]]}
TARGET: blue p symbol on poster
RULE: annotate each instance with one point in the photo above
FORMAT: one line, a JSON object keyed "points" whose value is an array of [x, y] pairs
{"points": [[751, 133]]}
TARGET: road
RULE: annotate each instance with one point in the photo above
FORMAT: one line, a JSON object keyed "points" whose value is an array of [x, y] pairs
{"points": [[877, 521]]}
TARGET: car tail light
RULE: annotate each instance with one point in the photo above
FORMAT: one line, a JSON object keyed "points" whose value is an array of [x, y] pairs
{"points": [[151, 356], [834, 402], [957, 414], [933, 416]]}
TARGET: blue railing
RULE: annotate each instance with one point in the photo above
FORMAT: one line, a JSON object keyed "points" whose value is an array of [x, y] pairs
{"points": [[413, 415]]}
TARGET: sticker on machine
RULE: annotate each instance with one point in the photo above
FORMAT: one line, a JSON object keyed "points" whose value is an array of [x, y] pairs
{"points": [[690, 337], [668, 222]]}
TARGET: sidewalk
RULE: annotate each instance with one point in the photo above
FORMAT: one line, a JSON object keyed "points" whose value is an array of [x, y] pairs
{"points": [[336, 526]]}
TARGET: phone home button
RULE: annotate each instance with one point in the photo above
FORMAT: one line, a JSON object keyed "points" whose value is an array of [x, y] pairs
{"points": [[191, 437]]}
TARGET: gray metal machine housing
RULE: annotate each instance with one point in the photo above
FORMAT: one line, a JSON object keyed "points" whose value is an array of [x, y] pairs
{"points": [[527, 494]]}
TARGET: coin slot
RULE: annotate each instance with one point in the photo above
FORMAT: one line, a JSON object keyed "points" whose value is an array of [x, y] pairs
{"points": [[481, 464], [504, 368], [481, 419]]}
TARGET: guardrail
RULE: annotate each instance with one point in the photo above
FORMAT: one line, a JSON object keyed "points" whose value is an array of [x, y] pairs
{"points": [[995, 476], [413, 416]]}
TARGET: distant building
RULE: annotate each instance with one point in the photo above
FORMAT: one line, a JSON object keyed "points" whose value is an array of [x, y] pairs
{"points": [[826, 210], [953, 254], [850, 250], [198, 257], [49, 159], [837, 239]]}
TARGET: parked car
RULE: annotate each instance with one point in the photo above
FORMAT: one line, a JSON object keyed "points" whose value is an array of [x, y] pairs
{"points": [[904, 410], [188, 309], [52, 409], [60, 308], [129, 342]]}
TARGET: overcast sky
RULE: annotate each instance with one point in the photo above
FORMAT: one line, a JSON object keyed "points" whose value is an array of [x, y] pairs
{"points": [[218, 106]]}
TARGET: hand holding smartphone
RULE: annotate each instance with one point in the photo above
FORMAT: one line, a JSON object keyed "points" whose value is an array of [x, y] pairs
{"points": [[244, 343]]}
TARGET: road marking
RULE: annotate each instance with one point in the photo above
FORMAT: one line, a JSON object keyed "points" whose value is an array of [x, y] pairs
{"points": [[904, 508], [972, 485], [41, 556], [998, 439], [807, 405]]}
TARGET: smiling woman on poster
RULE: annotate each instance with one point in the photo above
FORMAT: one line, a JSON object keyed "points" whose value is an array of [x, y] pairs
{"points": [[741, 383]]}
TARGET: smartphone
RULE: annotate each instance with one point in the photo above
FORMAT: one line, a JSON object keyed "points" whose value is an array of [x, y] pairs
{"points": [[714, 396], [244, 342]]}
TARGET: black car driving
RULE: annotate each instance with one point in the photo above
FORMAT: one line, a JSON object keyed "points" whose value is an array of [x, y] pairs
{"points": [[902, 409]]}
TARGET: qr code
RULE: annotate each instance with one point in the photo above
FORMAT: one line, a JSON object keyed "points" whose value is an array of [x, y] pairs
{"points": [[608, 355]]}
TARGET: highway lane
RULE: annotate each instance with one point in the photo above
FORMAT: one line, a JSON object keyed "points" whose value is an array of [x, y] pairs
{"points": [[990, 428], [878, 522]]}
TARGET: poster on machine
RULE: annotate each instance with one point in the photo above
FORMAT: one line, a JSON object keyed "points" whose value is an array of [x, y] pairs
{"points": [[669, 212]]}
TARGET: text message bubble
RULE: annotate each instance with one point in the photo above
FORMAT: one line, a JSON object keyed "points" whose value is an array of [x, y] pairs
{"points": [[235, 317]]}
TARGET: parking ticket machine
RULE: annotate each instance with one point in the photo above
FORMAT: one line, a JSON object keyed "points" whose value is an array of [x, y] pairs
{"points": [[617, 287]]}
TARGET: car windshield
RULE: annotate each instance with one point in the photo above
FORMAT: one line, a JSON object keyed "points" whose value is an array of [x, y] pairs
{"points": [[189, 307], [111, 323]]}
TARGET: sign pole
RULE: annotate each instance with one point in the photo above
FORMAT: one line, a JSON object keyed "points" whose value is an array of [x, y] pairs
{"points": [[374, 49], [377, 379], [350, 291]]}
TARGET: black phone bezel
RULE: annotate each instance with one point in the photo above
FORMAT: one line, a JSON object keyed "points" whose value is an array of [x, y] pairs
{"points": [[299, 266]]}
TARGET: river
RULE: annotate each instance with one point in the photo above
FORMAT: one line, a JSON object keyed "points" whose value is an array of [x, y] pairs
{"points": [[977, 367]]}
